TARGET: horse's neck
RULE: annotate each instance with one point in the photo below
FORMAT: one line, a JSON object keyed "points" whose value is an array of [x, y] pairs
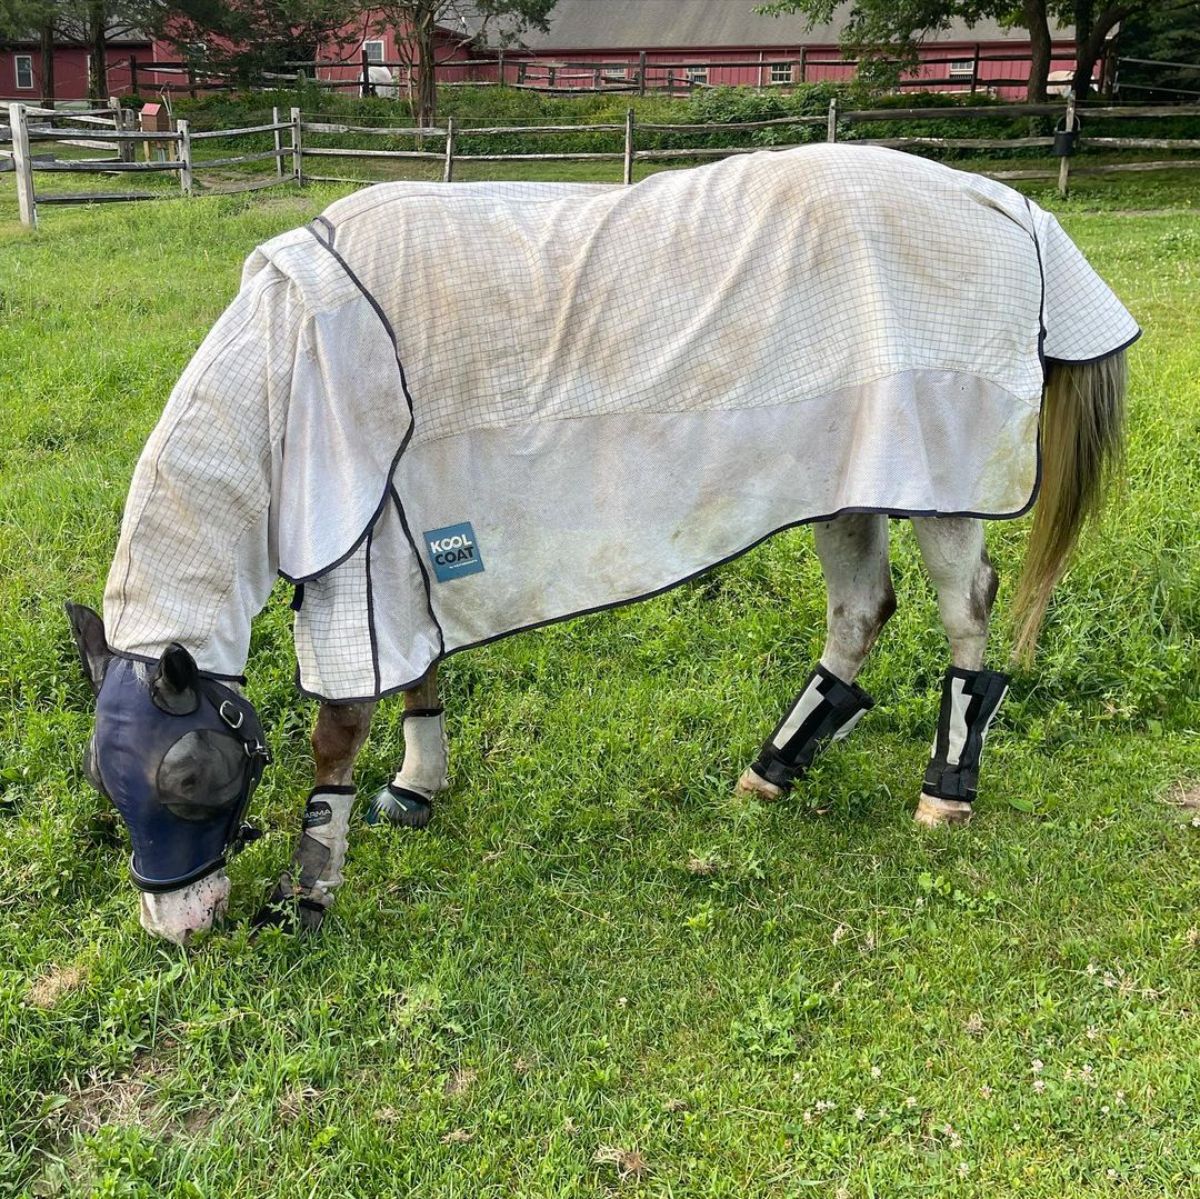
{"points": [[196, 559]]}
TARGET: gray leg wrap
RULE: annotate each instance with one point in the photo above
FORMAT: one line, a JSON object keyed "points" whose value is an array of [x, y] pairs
{"points": [[970, 700], [825, 711], [304, 892]]}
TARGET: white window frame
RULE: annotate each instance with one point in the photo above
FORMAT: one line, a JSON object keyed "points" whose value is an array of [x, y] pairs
{"points": [[615, 74], [697, 75], [27, 59], [374, 41], [963, 68], [782, 72]]}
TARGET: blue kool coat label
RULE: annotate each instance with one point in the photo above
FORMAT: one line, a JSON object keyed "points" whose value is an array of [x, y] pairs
{"points": [[453, 552]]}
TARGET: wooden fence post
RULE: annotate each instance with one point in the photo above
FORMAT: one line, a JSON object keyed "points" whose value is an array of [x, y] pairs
{"points": [[1064, 163], [831, 121], [185, 157], [297, 147], [803, 63], [641, 72], [367, 89], [975, 70], [133, 79], [628, 146], [500, 67], [278, 144], [124, 149], [26, 200], [448, 170]]}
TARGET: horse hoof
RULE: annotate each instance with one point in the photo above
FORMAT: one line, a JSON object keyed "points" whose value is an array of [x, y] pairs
{"points": [[752, 783], [940, 813], [290, 916], [400, 806]]}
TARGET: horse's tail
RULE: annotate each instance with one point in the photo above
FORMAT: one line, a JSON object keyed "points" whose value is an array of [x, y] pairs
{"points": [[1083, 446]]}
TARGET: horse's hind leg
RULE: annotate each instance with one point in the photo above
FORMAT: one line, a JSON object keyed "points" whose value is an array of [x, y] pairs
{"points": [[854, 559], [954, 554], [408, 799], [306, 890]]}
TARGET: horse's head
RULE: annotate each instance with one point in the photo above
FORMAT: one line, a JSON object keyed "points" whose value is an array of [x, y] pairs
{"points": [[179, 754]]}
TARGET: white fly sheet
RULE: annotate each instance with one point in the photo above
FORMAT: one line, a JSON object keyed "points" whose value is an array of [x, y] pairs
{"points": [[455, 412]]}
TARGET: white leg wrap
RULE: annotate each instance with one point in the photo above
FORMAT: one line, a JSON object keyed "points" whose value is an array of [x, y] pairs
{"points": [[426, 755]]}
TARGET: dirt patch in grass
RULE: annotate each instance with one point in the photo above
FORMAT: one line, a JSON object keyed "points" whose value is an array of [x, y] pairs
{"points": [[1185, 794], [51, 985]]}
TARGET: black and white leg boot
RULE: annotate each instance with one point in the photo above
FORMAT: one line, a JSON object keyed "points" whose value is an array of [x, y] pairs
{"points": [[970, 701], [408, 799], [825, 711], [305, 892]]}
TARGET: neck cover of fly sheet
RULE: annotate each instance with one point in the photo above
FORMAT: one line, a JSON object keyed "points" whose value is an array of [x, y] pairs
{"points": [[451, 413]]}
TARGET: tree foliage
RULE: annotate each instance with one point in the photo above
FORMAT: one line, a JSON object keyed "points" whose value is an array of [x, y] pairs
{"points": [[886, 34], [249, 37]]}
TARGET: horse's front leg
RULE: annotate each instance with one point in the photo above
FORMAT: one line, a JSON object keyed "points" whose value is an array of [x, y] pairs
{"points": [[956, 559], [854, 560], [408, 799], [307, 888]]}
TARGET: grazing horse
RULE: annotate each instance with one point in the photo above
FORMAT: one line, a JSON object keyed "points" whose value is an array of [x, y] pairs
{"points": [[446, 414]]}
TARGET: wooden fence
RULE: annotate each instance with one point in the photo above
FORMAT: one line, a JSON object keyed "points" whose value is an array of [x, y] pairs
{"points": [[114, 131], [109, 128]]}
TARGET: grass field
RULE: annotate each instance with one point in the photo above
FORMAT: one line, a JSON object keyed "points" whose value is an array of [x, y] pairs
{"points": [[597, 973]]}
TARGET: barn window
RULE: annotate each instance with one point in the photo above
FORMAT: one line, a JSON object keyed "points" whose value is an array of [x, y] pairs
{"points": [[781, 72], [24, 69], [373, 49], [697, 74], [616, 74], [963, 69]]}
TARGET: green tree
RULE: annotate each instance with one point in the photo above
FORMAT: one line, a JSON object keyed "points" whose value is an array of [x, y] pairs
{"points": [[1167, 34], [416, 23], [886, 34], [249, 37]]}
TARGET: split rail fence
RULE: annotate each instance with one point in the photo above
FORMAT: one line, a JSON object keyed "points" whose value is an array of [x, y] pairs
{"points": [[28, 126]]}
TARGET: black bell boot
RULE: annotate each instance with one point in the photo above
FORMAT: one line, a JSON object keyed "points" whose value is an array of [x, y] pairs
{"points": [[970, 701], [824, 712]]}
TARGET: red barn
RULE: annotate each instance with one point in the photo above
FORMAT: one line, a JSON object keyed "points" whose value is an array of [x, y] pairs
{"points": [[689, 43]]}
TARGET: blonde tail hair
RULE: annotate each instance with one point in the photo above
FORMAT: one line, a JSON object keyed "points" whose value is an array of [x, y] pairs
{"points": [[1083, 449]]}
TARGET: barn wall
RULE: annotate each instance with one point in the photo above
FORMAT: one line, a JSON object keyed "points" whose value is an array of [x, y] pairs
{"points": [[70, 72]]}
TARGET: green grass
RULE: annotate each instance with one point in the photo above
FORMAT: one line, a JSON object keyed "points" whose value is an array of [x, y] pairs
{"points": [[597, 973]]}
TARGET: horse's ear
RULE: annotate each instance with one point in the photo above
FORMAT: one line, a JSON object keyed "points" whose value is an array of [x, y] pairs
{"points": [[175, 687], [87, 630]]}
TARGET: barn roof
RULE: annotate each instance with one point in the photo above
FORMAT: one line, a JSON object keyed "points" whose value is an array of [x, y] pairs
{"points": [[704, 24]]}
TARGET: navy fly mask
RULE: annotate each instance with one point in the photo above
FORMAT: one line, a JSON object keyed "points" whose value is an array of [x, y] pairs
{"points": [[178, 753]]}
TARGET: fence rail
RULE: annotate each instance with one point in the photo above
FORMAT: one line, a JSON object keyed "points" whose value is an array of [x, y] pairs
{"points": [[20, 133]]}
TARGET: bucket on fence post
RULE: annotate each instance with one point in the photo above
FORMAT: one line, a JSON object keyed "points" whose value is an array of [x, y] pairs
{"points": [[1066, 141]]}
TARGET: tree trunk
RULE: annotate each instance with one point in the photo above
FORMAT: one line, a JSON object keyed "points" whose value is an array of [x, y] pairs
{"points": [[1033, 13], [1081, 84], [1089, 46], [47, 44], [426, 99], [98, 53]]}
